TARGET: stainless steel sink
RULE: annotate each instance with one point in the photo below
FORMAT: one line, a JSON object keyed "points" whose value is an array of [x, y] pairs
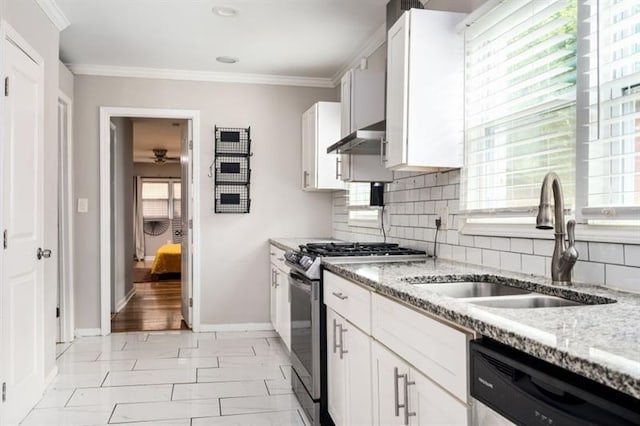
{"points": [[524, 302], [472, 289]]}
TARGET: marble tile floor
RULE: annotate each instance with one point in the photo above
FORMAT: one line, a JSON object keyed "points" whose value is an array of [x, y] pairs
{"points": [[174, 378]]}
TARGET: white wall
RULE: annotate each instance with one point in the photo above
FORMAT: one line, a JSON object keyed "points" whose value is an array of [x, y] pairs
{"points": [[151, 170], [235, 277], [26, 17], [65, 80], [412, 200], [122, 212]]}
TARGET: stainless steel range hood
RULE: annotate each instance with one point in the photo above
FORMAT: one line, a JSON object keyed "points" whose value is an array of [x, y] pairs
{"points": [[364, 141]]}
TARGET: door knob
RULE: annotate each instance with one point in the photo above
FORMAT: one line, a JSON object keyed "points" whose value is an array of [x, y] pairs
{"points": [[46, 253]]}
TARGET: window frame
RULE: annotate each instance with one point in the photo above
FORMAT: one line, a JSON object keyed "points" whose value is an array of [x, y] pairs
{"points": [[609, 232], [170, 200], [360, 222]]}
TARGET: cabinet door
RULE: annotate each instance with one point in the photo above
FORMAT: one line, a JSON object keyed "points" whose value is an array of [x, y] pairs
{"points": [[388, 387], [345, 167], [274, 297], [327, 134], [356, 346], [434, 406], [336, 385], [345, 105], [284, 312], [397, 81]]}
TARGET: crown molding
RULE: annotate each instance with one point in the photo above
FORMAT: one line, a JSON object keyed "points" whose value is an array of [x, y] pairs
{"points": [[210, 76], [54, 13], [376, 40]]}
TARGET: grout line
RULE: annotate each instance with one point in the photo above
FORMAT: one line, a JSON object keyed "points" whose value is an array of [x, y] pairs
{"points": [[173, 387]]}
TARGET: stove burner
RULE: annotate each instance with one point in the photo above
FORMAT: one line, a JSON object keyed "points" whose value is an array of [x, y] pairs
{"points": [[357, 249]]}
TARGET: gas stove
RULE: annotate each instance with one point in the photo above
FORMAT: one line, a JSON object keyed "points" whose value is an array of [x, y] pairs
{"points": [[308, 258]]}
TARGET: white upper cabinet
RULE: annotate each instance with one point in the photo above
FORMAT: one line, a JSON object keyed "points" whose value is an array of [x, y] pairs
{"points": [[425, 60], [320, 129]]}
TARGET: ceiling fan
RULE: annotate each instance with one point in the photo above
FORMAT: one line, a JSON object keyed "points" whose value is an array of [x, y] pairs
{"points": [[160, 157]]}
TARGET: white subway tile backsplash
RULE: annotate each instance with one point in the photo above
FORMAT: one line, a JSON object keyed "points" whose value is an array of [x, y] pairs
{"points": [[622, 277], [442, 179], [632, 255], [459, 253], [466, 240], [491, 258], [510, 261], [436, 193], [502, 244], [474, 255], [589, 272], [532, 264], [522, 245], [483, 242], [606, 253], [412, 202], [543, 247]]}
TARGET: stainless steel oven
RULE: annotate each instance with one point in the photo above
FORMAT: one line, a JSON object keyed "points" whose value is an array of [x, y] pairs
{"points": [[306, 324]]}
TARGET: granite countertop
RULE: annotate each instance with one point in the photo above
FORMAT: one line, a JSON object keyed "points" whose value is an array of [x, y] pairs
{"points": [[293, 243], [601, 342]]}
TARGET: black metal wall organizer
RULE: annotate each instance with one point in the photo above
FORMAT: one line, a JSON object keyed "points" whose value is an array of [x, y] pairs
{"points": [[231, 170]]}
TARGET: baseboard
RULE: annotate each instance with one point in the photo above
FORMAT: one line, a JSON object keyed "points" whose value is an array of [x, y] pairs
{"points": [[50, 377], [152, 258], [88, 332], [245, 326], [123, 302]]}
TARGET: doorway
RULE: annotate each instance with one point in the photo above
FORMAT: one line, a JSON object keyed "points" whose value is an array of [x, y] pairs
{"points": [[147, 224], [162, 301]]}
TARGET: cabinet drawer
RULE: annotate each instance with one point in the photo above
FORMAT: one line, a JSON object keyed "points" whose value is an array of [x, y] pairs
{"points": [[349, 300], [436, 350], [276, 255]]}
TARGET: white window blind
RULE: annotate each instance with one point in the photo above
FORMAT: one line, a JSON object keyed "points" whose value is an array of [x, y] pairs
{"points": [[177, 207], [520, 105], [613, 163], [155, 199]]}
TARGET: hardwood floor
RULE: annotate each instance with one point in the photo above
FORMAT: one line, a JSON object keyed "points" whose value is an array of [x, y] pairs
{"points": [[155, 306]]}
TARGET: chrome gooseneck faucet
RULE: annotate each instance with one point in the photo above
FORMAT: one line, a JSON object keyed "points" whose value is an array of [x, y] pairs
{"points": [[564, 257]]}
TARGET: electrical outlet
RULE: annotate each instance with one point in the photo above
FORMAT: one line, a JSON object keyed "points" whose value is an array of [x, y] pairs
{"points": [[443, 213]]}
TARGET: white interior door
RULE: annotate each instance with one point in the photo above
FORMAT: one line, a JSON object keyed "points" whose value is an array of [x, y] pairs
{"points": [[186, 201], [22, 285]]}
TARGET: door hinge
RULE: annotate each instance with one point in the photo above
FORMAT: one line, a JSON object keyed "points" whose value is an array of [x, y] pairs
{"points": [[5, 244], [4, 391], [58, 312], [190, 144], [190, 223], [6, 86], [191, 302]]}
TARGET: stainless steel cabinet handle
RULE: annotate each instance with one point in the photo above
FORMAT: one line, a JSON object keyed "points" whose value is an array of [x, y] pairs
{"points": [[335, 340], [46, 253], [338, 167], [342, 351], [306, 179], [272, 277], [407, 413], [383, 151], [275, 281], [340, 295], [396, 390]]}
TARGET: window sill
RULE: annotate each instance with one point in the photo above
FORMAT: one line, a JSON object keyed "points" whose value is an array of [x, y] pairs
{"points": [[601, 234]]}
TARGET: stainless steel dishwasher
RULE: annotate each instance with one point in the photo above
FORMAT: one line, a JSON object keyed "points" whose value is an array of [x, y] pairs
{"points": [[508, 385]]}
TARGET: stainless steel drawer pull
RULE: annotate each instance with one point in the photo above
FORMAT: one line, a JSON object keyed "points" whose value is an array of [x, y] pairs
{"points": [[407, 413], [335, 337], [342, 350], [396, 391], [340, 296]]}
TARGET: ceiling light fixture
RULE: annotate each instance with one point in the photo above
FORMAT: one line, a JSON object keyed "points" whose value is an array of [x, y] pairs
{"points": [[225, 12], [227, 59]]}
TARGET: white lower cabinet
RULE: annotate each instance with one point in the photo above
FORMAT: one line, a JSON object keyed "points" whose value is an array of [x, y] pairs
{"points": [[279, 296], [348, 372], [404, 396], [397, 367]]}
